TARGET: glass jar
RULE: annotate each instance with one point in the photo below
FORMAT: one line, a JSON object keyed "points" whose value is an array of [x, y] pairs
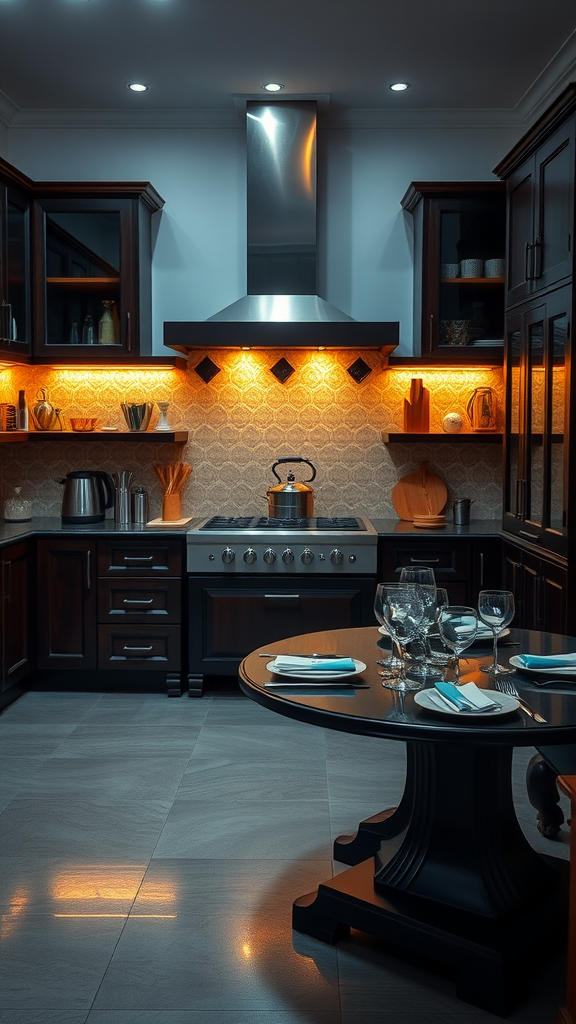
{"points": [[17, 509]]}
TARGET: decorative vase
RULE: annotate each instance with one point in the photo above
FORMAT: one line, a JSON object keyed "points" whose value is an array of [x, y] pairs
{"points": [[163, 420]]}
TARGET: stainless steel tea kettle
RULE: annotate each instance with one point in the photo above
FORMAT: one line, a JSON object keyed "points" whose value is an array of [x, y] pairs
{"points": [[291, 500], [87, 495]]}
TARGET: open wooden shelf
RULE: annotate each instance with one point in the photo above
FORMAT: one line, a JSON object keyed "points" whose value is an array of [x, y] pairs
{"points": [[472, 280], [79, 282], [480, 437], [144, 436]]}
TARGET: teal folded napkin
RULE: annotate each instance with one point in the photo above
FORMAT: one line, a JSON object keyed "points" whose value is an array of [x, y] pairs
{"points": [[293, 663], [558, 661], [465, 698]]}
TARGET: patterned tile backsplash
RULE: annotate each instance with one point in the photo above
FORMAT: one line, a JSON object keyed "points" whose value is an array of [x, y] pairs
{"points": [[244, 419]]}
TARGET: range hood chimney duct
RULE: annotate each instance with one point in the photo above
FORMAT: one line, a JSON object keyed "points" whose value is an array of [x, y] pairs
{"points": [[282, 308]]}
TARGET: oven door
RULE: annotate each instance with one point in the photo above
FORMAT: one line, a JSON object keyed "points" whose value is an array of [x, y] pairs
{"points": [[231, 616]]}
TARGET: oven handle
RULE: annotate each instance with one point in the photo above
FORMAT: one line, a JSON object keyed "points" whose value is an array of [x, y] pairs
{"points": [[283, 597]]}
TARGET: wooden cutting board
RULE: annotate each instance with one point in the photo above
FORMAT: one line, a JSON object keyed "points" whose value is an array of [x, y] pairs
{"points": [[419, 493]]}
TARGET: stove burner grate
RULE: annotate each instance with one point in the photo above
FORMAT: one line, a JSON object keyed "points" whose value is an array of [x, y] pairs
{"points": [[265, 523]]}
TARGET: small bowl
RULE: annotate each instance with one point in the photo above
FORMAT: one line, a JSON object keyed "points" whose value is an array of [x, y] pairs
{"points": [[83, 425]]}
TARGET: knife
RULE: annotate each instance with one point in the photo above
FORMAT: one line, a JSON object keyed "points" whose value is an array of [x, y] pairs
{"points": [[325, 657]]}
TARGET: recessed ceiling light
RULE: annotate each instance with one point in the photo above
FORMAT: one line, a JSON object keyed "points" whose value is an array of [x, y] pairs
{"points": [[400, 86], [137, 87], [273, 87]]}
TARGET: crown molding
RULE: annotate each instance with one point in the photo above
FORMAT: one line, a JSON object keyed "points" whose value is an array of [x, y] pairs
{"points": [[92, 119]]}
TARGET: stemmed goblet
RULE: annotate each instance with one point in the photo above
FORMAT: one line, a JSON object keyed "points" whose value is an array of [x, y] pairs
{"points": [[458, 626], [496, 609], [398, 606], [424, 579]]}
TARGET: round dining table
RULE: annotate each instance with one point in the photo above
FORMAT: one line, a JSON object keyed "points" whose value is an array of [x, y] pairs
{"points": [[449, 873]]}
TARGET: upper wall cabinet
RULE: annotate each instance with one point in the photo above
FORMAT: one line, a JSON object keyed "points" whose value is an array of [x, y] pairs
{"points": [[15, 282], [540, 216], [459, 258], [93, 286]]}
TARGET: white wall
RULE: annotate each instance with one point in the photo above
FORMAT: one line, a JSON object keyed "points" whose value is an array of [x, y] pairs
{"points": [[199, 262]]}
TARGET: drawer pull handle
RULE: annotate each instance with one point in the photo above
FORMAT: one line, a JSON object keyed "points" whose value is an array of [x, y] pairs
{"points": [[137, 648], [418, 561], [282, 597], [530, 536], [138, 558], [128, 600]]}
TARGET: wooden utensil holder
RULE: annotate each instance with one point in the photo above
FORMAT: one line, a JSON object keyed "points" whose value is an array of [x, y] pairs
{"points": [[171, 507]]}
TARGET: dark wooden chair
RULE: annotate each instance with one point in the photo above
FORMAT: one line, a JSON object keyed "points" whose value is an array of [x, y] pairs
{"points": [[541, 774]]}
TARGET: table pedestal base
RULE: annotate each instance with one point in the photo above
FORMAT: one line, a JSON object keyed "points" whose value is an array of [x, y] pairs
{"points": [[456, 878], [492, 960]]}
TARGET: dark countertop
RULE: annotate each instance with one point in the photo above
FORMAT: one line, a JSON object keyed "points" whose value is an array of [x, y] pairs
{"points": [[477, 528], [38, 526]]}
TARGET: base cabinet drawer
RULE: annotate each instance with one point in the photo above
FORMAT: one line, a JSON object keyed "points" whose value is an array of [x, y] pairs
{"points": [[149, 557], [155, 648], [154, 601]]}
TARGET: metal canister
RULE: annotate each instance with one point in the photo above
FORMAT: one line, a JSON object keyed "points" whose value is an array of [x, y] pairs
{"points": [[461, 509], [139, 506]]}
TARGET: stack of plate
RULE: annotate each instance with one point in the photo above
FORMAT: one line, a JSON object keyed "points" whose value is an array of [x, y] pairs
{"points": [[429, 522]]}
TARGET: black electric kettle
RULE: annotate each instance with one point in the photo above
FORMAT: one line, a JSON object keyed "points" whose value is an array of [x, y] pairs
{"points": [[87, 495]]}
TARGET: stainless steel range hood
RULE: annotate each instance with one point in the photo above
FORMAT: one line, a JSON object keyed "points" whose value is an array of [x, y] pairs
{"points": [[281, 308]]}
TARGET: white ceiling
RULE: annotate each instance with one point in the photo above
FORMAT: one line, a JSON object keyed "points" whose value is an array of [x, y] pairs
{"points": [[493, 61]]}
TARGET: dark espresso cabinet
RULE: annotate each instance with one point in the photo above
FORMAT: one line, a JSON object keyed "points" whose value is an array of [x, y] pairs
{"points": [[16, 618], [66, 587], [540, 587], [539, 515], [459, 247], [463, 565], [111, 604], [15, 264]]}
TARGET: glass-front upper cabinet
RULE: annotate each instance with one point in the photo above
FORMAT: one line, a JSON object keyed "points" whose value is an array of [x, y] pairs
{"points": [[94, 292], [15, 289], [537, 435], [459, 265]]}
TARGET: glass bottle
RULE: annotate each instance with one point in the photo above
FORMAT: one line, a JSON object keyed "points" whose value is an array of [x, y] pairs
{"points": [[88, 331], [106, 332], [73, 338]]}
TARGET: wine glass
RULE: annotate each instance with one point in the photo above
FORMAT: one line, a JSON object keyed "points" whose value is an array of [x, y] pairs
{"points": [[437, 657], [399, 607], [496, 609], [458, 626], [424, 579]]}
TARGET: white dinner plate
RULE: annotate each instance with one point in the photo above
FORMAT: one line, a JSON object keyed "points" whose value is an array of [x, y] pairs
{"points": [[559, 670], [317, 675], [507, 704]]}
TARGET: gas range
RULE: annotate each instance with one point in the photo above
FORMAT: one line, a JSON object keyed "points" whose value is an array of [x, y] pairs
{"points": [[331, 545]]}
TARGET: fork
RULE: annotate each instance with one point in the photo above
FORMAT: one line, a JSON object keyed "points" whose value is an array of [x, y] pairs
{"points": [[507, 686]]}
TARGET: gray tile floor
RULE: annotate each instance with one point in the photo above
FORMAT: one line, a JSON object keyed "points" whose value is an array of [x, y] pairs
{"points": [[150, 852]]}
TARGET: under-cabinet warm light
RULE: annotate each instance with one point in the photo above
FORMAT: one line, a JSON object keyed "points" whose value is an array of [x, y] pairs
{"points": [[111, 366]]}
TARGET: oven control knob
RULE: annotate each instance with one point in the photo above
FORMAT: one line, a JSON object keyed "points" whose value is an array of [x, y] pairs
{"points": [[307, 556], [336, 556], [287, 556], [250, 556], [269, 556], [228, 556]]}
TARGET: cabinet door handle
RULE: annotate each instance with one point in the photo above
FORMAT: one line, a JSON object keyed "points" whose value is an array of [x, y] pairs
{"points": [[138, 558], [128, 600], [529, 536], [7, 566], [282, 597], [431, 329], [529, 261], [537, 262], [481, 568], [125, 648], [128, 332], [88, 574], [420, 561]]}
